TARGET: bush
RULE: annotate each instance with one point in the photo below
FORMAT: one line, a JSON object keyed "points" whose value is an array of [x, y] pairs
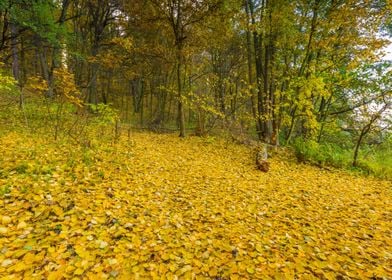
{"points": [[309, 151], [377, 162], [321, 154]]}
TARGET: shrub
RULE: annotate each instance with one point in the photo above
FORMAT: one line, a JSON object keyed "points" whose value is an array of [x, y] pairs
{"points": [[378, 162]]}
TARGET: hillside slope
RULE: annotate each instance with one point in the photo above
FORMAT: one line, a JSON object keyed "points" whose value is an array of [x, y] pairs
{"points": [[159, 207]]}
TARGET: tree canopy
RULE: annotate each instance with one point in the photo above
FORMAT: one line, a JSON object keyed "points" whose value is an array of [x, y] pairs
{"points": [[280, 70]]}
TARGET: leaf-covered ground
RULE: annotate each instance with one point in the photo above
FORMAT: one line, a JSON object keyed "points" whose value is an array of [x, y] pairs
{"points": [[160, 207]]}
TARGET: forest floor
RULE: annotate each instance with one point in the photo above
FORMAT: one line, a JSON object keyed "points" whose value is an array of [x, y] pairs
{"points": [[161, 207]]}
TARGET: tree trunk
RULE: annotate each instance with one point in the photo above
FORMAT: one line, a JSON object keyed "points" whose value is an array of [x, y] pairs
{"points": [[249, 62], [92, 94], [260, 76], [57, 50], [15, 62], [364, 131], [181, 116], [45, 71], [292, 125]]}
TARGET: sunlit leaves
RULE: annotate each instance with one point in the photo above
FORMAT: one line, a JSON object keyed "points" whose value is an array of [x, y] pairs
{"points": [[65, 87], [7, 82], [36, 84]]}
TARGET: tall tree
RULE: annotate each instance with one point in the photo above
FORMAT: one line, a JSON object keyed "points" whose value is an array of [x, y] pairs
{"points": [[182, 16]]}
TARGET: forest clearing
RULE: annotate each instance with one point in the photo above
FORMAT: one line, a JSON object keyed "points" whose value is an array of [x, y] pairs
{"points": [[163, 207]]}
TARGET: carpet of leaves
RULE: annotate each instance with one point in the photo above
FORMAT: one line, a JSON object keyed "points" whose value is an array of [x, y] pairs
{"points": [[160, 207]]}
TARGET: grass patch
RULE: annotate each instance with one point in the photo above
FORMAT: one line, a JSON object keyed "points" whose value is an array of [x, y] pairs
{"points": [[377, 162]]}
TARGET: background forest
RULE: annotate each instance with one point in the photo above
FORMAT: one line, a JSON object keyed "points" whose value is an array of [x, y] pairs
{"points": [[307, 74]]}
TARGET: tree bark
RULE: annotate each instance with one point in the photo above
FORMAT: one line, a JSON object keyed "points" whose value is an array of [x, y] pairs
{"points": [[15, 62], [364, 131], [181, 116]]}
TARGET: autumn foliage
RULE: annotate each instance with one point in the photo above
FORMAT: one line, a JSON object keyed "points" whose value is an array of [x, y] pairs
{"points": [[87, 193]]}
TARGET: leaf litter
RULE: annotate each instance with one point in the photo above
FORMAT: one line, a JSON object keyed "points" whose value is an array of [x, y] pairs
{"points": [[160, 207]]}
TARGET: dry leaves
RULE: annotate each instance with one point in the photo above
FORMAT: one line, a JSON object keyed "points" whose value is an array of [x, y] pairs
{"points": [[160, 207]]}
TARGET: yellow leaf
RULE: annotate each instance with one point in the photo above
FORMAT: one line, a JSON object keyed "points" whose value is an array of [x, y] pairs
{"points": [[299, 268], [21, 225], [39, 257], [79, 271], [233, 269], [58, 210], [81, 251], [3, 230], [213, 272], [29, 258], [70, 269], [172, 267], [55, 275], [19, 266], [184, 269], [19, 253], [250, 270], [5, 220]]}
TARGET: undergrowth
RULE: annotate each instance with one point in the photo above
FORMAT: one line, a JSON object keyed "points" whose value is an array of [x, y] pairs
{"points": [[376, 162]]}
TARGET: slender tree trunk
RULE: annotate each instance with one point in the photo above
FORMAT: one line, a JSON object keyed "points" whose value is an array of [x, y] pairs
{"points": [[181, 116], [15, 62], [200, 130], [364, 131], [142, 111], [260, 78], [106, 93], [45, 71], [152, 90], [253, 97], [92, 96], [57, 51], [292, 125], [23, 63]]}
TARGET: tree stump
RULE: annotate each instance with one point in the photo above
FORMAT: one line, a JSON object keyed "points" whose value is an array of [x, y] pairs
{"points": [[261, 159]]}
